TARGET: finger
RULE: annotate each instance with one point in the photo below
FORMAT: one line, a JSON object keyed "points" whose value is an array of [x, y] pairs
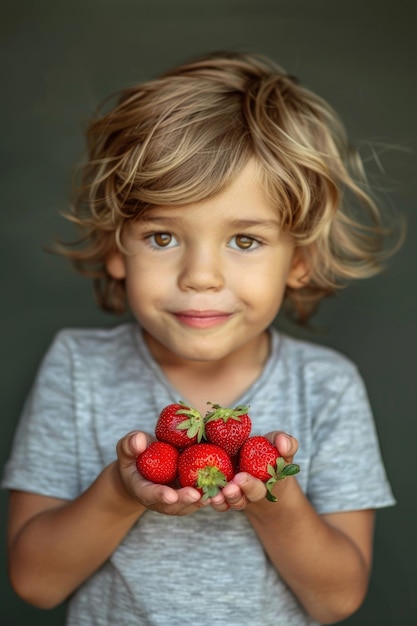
{"points": [[186, 501], [235, 497], [188, 495], [218, 502], [286, 445], [132, 444], [251, 488], [137, 442], [182, 497], [152, 494]]}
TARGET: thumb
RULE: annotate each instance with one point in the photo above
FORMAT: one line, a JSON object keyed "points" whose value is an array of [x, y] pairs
{"points": [[132, 444], [286, 445]]}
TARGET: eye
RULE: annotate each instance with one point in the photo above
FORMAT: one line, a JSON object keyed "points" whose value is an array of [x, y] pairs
{"points": [[243, 242], [162, 240]]}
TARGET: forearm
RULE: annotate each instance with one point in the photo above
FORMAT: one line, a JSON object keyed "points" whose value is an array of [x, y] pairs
{"points": [[325, 569], [57, 549]]}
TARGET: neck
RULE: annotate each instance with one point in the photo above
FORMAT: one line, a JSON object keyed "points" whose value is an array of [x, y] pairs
{"points": [[221, 382]]}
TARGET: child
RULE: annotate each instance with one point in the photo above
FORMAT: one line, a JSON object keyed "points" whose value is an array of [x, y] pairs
{"points": [[212, 196]]}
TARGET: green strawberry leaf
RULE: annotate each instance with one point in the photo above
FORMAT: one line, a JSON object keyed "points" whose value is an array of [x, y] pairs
{"points": [[271, 470], [279, 465], [225, 413], [279, 473], [185, 425], [289, 470], [194, 426], [210, 479], [270, 496]]}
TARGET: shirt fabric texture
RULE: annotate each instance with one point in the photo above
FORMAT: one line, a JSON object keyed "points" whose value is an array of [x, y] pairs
{"points": [[208, 568]]}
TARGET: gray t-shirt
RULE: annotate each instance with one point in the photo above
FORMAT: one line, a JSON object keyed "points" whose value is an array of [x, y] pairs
{"points": [[208, 568]]}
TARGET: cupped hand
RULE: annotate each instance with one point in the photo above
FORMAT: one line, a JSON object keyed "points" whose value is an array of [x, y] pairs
{"points": [[160, 498], [244, 489]]}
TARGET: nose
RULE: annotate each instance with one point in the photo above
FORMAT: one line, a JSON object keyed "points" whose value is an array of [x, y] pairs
{"points": [[201, 270]]}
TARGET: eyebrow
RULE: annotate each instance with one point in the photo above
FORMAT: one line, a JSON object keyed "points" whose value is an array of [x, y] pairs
{"points": [[236, 223], [252, 223]]}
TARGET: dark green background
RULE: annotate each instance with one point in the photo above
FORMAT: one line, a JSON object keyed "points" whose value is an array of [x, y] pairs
{"points": [[58, 60]]}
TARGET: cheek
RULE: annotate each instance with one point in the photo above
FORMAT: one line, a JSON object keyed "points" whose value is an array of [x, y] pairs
{"points": [[262, 293], [145, 286], [264, 279]]}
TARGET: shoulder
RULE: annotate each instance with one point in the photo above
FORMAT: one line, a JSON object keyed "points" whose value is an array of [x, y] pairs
{"points": [[314, 363], [93, 340], [92, 349], [312, 354]]}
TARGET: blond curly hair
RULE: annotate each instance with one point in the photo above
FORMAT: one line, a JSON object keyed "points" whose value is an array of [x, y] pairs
{"points": [[184, 137]]}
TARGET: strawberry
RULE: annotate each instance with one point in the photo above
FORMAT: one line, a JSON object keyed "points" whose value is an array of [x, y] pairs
{"points": [[261, 459], [179, 425], [205, 466], [228, 428], [159, 463]]}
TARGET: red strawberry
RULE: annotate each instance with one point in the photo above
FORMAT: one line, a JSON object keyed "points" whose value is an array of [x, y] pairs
{"points": [[206, 467], [179, 425], [159, 463], [228, 428], [260, 458]]}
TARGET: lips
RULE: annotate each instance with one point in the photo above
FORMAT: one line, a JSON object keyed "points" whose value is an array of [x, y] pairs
{"points": [[202, 319]]}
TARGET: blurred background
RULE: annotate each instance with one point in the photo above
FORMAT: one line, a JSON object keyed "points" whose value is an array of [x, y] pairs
{"points": [[59, 60]]}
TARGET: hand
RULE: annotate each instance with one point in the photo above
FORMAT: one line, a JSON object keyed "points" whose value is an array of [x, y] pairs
{"points": [[244, 489], [161, 498], [286, 445]]}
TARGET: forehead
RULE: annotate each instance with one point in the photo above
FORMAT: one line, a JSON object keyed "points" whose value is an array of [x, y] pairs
{"points": [[244, 194]]}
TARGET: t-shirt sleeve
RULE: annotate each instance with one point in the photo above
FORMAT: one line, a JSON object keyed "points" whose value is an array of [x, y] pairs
{"points": [[43, 458], [347, 470]]}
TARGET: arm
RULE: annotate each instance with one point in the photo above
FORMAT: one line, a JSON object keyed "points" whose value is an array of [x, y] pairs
{"points": [[325, 560], [54, 545]]}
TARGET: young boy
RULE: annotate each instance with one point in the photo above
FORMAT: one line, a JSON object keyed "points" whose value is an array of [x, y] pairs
{"points": [[212, 196]]}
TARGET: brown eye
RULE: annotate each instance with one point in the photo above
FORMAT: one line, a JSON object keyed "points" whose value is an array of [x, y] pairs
{"points": [[162, 240], [243, 242]]}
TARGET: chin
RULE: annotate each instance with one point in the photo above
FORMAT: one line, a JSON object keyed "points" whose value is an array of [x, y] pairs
{"points": [[203, 356], [203, 353]]}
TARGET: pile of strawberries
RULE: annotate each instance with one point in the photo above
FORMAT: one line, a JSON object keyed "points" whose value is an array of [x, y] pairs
{"points": [[206, 452]]}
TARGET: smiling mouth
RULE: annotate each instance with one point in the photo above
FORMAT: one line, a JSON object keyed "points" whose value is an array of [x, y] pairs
{"points": [[202, 319]]}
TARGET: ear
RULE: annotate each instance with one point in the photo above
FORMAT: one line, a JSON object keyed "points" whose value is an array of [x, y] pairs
{"points": [[299, 274], [115, 265]]}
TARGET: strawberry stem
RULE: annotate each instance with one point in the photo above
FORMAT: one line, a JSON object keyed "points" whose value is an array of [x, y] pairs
{"points": [[194, 424], [225, 413], [209, 480], [279, 472]]}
